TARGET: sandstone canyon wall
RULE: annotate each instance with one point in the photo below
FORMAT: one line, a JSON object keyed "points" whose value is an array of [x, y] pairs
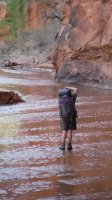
{"points": [[83, 50], [79, 32], [42, 21], [3, 11], [38, 14]]}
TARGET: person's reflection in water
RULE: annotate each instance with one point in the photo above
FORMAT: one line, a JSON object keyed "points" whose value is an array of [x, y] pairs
{"points": [[65, 184]]}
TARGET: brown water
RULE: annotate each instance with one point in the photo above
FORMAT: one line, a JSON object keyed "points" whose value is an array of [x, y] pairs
{"points": [[31, 165]]}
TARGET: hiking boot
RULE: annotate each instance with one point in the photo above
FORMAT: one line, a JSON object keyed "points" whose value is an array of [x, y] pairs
{"points": [[62, 147], [69, 147]]}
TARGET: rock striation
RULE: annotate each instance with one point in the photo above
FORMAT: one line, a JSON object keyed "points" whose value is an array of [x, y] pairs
{"points": [[82, 52]]}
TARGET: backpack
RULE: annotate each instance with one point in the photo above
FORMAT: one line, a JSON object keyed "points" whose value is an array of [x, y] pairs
{"points": [[66, 103]]}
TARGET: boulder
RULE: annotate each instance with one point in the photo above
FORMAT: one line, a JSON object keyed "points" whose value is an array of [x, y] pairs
{"points": [[9, 97]]}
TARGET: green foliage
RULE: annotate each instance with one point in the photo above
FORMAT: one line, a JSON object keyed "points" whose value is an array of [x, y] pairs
{"points": [[15, 17], [3, 24]]}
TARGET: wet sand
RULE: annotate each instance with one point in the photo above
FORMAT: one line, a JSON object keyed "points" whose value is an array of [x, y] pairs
{"points": [[31, 165]]}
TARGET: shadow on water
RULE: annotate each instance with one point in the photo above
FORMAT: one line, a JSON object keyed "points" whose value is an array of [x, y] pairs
{"points": [[31, 165]]}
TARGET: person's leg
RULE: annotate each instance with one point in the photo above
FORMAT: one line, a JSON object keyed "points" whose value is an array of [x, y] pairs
{"points": [[72, 127], [69, 147], [64, 127], [64, 136]]}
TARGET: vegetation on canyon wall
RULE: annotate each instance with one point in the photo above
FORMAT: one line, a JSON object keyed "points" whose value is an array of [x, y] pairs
{"points": [[76, 35], [15, 18], [29, 27]]}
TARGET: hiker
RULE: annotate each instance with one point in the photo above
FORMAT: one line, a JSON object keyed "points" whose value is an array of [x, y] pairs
{"points": [[67, 114]]}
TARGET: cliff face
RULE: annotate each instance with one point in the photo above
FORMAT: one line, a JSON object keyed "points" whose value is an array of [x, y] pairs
{"points": [[3, 12], [83, 50], [38, 13], [42, 21]]}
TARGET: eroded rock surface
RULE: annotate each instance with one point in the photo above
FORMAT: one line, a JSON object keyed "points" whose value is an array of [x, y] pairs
{"points": [[9, 97], [83, 49], [41, 24], [82, 52]]}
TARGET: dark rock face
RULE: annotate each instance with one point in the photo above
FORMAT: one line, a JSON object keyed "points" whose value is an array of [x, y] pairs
{"points": [[9, 97], [83, 50]]}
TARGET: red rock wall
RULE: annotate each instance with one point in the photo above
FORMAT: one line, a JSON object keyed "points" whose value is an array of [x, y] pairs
{"points": [[3, 12], [42, 21], [83, 50], [33, 13], [37, 14]]}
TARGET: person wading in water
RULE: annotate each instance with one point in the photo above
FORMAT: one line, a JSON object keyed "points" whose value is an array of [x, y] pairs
{"points": [[67, 114]]}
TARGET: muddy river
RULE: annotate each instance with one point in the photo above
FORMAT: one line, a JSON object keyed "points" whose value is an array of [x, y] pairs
{"points": [[31, 165]]}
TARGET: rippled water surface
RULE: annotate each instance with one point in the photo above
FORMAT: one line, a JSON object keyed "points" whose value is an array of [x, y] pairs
{"points": [[31, 165]]}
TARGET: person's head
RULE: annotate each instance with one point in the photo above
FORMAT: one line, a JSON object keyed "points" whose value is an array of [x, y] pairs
{"points": [[68, 91]]}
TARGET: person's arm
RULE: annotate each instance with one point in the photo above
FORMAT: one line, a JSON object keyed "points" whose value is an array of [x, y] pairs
{"points": [[73, 89]]}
